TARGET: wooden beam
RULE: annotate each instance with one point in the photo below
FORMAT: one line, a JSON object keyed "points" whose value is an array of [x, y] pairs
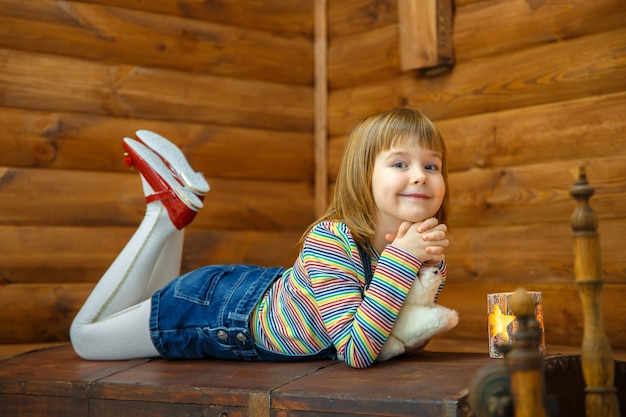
{"points": [[425, 34], [320, 106]]}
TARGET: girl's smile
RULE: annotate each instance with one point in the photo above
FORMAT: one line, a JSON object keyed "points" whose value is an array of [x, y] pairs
{"points": [[415, 196]]}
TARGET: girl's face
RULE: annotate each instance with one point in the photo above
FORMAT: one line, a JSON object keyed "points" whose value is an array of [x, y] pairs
{"points": [[407, 185]]}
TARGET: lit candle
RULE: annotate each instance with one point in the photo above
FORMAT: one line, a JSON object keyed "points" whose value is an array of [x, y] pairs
{"points": [[502, 323]]}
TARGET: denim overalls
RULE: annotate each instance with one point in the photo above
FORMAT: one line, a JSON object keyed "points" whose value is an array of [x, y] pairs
{"points": [[206, 313]]}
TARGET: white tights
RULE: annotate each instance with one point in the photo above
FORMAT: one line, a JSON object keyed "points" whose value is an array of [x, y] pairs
{"points": [[113, 324]]}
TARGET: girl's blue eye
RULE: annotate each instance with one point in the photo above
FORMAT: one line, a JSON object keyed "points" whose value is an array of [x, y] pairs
{"points": [[399, 165], [432, 167]]}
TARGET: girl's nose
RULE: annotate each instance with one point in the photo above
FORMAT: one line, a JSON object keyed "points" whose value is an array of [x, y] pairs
{"points": [[418, 176]]}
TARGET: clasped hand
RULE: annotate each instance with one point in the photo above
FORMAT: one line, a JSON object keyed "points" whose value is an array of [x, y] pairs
{"points": [[425, 240]]}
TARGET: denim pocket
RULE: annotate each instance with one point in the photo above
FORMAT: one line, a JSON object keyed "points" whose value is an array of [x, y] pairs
{"points": [[199, 286]]}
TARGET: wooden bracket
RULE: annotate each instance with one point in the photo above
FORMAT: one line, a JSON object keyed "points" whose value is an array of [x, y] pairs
{"points": [[426, 35]]}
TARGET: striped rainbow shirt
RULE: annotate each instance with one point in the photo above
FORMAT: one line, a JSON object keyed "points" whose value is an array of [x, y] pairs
{"points": [[321, 300]]}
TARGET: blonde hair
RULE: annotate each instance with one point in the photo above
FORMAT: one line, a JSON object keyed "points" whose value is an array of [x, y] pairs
{"points": [[353, 201]]}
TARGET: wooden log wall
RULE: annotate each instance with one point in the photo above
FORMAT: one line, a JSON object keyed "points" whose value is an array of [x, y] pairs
{"points": [[231, 81], [538, 89]]}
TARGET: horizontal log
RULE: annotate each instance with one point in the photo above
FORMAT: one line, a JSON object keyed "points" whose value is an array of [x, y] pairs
{"points": [[498, 26], [529, 254], [133, 37], [535, 194], [348, 17], [364, 58], [590, 127], [83, 198], [34, 313], [207, 247], [62, 84], [45, 254], [74, 141], [294, 16], [540, 76], [562, 311], [365, 51], [256, 205]]}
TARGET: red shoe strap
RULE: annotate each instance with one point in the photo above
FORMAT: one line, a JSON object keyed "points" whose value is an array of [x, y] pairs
{"points": [[160, 196]]}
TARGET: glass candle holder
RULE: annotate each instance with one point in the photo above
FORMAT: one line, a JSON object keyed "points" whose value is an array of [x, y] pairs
{"points": [[502, 324]]}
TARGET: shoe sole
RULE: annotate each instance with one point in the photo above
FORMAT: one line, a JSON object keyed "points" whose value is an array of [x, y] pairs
{"points": [[175, 157]]}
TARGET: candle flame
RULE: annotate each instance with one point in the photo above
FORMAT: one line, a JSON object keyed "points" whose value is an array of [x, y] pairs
{"points": [[498, 323]]}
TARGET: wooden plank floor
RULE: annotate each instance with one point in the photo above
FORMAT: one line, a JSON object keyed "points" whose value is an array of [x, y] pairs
{"points": [[55, 382]]}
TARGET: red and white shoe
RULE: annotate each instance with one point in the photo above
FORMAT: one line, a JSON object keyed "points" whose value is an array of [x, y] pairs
{"points": [[181, 203], [175, 160]]}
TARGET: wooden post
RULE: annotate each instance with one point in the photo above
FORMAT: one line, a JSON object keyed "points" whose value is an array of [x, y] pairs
{"points": [[321, 109], [597, 359], [516, 388], [524, 361]]}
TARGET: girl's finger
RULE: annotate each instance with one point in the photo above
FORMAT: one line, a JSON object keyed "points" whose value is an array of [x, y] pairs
{"points": [[431, 236], [404, 227], [427, 224], [434, 250]]}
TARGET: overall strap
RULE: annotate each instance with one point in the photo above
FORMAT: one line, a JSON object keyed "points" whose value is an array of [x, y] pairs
{"points": [[367, 265]]}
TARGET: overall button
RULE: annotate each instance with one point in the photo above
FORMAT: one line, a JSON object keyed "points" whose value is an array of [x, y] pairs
{"points": [[222, 335], [241, 337]]}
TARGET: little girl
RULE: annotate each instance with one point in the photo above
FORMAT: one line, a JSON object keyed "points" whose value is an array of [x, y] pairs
{"points": [[339, 300]]}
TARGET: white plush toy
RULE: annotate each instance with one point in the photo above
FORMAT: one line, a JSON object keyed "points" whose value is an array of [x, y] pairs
{"points": [[420, 318]]}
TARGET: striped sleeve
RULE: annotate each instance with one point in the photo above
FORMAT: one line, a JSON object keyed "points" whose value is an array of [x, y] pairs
{"points": [[443, 268], [357, 321]]}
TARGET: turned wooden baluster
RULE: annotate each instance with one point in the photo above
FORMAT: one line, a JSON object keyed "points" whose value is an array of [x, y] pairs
{"points": [[517, 386], [597, 359], [524, 361]]}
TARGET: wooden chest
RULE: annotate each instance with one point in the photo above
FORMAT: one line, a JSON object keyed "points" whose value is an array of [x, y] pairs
{"points": [[55, 382]]}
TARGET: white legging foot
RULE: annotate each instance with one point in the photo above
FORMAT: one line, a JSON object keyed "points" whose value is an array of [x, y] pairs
{"points": [[121, 336]]}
